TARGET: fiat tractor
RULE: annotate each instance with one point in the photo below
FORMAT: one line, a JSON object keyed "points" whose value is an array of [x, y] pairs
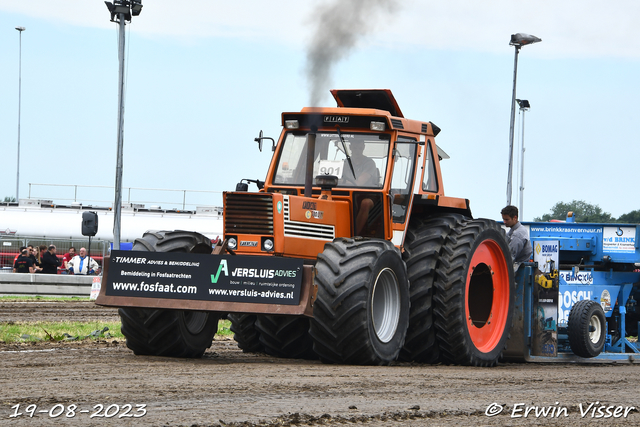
{"points": [[348, 251]]}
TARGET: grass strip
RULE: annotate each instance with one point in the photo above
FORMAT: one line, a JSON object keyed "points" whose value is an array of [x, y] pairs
{"points": [[21, 298], [223, 327], [58, 331], [71, 331]]}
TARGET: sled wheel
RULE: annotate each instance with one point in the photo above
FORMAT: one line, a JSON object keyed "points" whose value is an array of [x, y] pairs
{"points": [[423, 246], [361, 312], [245, 333], [474, 294], [586, 328], [162, 332]]}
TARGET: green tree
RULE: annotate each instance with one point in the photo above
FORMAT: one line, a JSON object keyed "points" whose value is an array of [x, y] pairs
{"points": [[632, 217], [582, 212], [9, 199]]}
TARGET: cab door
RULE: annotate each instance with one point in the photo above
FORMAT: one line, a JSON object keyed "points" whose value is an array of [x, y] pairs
{"points": [[406, 156]]}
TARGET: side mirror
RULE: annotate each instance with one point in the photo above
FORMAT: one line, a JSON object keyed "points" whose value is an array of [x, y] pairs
{"points": [[259, 141]]}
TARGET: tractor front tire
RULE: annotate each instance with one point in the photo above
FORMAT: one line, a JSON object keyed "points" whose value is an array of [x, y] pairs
{"points": [[361, 312], [173, 333], [587, 328], [245, 332], [423, 247], [162, 332], [285, 336], [474, 294]]}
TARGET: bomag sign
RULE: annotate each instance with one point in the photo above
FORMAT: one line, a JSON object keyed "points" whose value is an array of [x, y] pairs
{"points": [[546, 253]]}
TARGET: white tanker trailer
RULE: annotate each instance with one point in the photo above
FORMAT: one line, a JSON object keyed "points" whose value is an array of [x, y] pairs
{"points": [[44, 220]]}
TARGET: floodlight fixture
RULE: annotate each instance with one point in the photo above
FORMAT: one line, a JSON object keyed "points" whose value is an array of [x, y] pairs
{"points": [[124, 9], [136, 7], [523, 103], [522, 39]]}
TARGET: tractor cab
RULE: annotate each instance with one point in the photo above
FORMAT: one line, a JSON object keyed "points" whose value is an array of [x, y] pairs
{"points": [[358, 169]]}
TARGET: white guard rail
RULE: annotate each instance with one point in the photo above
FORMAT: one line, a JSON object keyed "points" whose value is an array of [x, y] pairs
{"points": [[45, 284]]}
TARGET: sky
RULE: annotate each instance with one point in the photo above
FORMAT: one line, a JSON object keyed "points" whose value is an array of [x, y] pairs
{"points": [[203, 77]]}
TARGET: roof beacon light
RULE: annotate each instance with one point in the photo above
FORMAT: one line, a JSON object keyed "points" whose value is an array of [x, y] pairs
{"points": [[291, 124], [379, 126]]}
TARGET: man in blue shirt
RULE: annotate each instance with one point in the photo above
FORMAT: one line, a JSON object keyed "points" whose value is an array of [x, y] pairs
{"points": [[518, 236], [82, 264]]}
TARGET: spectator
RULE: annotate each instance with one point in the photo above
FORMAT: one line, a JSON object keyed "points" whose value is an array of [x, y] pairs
{"points": [[79, 264], [22, 248], [50, 261], [23, 263], [68, 257], [518, 237], [35, 258], [41, 252]]}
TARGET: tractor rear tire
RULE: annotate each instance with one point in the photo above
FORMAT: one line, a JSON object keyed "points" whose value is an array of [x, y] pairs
{"points": [[361, 312], [474, 294], [285, 336], [584, 315], [245, 333], [162, 332], [423, 247]]}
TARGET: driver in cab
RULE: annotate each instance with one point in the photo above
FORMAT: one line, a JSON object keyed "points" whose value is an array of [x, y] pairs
{"points": [[364, 168], [366, 176]]}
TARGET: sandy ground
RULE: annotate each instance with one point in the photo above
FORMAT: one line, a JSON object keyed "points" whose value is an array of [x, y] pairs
{"points": [[228, 387]]}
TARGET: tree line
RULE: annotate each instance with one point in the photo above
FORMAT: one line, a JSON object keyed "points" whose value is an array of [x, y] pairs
{"points": [[586, 212]]}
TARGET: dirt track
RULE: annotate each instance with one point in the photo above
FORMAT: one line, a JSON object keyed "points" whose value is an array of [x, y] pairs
{"points": [[52, 311], [229, 387]]}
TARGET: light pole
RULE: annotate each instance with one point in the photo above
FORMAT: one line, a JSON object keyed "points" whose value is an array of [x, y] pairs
{"points": [[123, 10], [517, 40], [20, 30], [524, 106]]}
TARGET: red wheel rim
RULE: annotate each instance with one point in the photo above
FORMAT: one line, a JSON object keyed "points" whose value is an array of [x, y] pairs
{"points": [[487, 296]]}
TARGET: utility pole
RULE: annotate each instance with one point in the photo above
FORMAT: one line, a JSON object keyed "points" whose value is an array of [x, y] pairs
{"points": [[524, 107], [122, 10], [20, 30], [517, 40]]}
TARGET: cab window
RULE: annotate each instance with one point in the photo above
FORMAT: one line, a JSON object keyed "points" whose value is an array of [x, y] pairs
{"points": [[359, 160], [402, 178], [430, 180]]}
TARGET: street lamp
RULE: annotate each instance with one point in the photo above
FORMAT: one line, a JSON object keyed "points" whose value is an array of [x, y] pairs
{"points": [[517, 40], [524, 106], [20, 30], [123, 10]]}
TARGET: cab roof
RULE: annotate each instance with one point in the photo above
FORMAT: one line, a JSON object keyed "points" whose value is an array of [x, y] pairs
{"points": [[357, 108], [379, 99]]}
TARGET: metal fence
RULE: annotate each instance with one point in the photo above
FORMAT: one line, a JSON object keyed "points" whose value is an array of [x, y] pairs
{"points": [[104, 195], [10, 248]]}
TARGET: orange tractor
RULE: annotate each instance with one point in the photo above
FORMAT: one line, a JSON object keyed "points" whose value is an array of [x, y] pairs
{"points": [[349, 252]]}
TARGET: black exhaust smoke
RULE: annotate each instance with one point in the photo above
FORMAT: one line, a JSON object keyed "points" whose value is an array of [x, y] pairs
{"points": [[340, 24]]}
